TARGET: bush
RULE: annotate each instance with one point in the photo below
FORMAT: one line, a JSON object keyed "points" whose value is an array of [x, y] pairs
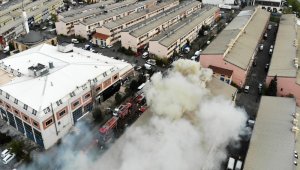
{"points": [[97, 114], [17, 148], [161, 61], [126, 51], [118, 98]]}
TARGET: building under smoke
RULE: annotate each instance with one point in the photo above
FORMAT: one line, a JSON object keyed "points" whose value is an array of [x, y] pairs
{"points": [[45, 90]]}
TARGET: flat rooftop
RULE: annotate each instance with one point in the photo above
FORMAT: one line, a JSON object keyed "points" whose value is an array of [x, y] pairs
{"points": [[252, 22], [179, 30], [110, 14], [153, 22], [119, 22], [282, 61], [247, 43], [272, 143], [86, 8], [71, 70], [13, 2], [96, 11]]}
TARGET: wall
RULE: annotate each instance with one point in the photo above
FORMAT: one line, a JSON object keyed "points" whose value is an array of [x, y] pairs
{"points": [[81, 30], [128, 41], [61, 28], [157, 49], [286, 86], [238, 76]]}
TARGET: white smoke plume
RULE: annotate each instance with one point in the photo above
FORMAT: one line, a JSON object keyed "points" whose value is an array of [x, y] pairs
{"points": [[186, 129]]}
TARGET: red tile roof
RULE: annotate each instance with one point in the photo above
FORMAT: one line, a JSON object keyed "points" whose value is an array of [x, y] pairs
{"points": [[100, 36], [221, 71]]}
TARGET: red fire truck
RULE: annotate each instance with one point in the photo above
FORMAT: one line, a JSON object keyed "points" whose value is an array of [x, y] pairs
{"points": [[122, 110]]}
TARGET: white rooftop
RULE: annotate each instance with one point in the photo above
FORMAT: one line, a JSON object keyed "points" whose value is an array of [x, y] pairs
{"points": [[70, 70]]}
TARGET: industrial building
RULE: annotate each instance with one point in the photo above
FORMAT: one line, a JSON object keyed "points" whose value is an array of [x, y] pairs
{"points": [[275, 142], [87, 27], [235, 47], [37, 12], [65, 25], [175, 38], [137, 36], [109, 33], [45, 90], [285, 59]]}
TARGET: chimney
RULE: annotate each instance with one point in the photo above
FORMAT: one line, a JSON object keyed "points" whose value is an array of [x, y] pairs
{"points": [[25, 22], [51, 65]]}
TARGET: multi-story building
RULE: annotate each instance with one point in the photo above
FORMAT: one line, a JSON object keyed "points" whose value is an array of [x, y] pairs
{"points": [[46, 89], [66, 22], [15, 27], [270, 5], [87, 27], [109, 33], [285, 59], [176, 37], [275, 141], [222, 74], [12, 6], [137, 36], [236, 46]]}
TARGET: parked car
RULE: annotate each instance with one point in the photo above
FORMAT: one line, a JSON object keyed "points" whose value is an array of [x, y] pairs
{"points": [[260, 88], [265, 36], [271, 51], [151, 62], [269, 26], [137, 68], [246, 89], [266, 67], [8, 158], [5, 152], [271, 47], [145, 55], [261, 47], [108, 46], [147, 66]]}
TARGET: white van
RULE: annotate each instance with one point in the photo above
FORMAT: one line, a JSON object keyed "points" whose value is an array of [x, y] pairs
{"points": [[75, 41], [230, 164], [239, 165], [197, 53]]}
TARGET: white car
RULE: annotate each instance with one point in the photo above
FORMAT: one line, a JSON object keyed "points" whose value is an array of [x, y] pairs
{"points": [[8, 158], [151, 62], [5, 152], [145, 55], [261, 47], [246, 89], [109, 46]]}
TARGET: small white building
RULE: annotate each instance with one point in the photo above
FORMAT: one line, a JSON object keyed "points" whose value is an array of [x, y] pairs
{"points": [[45, 90]]}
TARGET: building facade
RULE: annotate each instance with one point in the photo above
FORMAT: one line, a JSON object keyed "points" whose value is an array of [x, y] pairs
{"points": [[270, 5], [47, 105], [137, 36], [285, 59], [67, 21], [176, 37], [112, 30], [242, 36]]}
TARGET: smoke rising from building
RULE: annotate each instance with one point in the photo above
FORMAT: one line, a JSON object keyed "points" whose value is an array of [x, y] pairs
{"points": [[189, 128]]}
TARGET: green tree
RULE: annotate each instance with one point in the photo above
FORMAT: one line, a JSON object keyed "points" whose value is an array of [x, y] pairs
{"points": [[17, 148], [54, 17], [97, 114], [141, 79], [188, 43], [133, 85], [272, 89], [118, 98]]}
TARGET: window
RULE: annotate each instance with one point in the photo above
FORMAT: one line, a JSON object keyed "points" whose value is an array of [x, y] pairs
{"points": [[25, 107], [35, 123], [7, 95], [16, 111], [76, 103], [84, 87], [34, 112], [62, 113], [25, 117], [95, 80], [46, 110], [115, 77], [98, 88], [7, 106], [49, 122], [59, 102], [16, 101], [87, 96], [72, 94]]}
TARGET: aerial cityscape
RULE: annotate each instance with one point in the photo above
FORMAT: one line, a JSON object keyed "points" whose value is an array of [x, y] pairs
{"points": [[149, 84]]}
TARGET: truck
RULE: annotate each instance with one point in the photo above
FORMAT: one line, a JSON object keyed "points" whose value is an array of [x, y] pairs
{"points": [[106, 132], [122, 110]]}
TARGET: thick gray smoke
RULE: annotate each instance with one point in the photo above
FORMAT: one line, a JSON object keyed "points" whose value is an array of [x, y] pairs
{"points": [[186, 129]]}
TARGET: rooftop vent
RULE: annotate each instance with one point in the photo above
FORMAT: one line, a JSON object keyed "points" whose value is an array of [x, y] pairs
{"points": [[38, 70]]}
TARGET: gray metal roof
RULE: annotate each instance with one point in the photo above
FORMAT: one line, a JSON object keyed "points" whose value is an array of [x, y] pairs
{"points": [[34, 37], [284, 50], [153, 22], [111, 14], [172, 34], [131, 17], [273, 143]]}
